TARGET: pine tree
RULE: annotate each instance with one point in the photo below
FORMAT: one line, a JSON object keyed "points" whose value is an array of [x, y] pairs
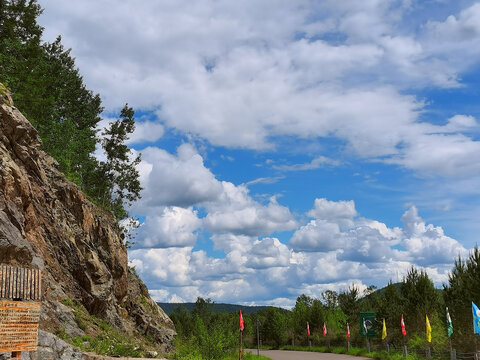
{"points": [[420, 298], [20, 50], [390, 307], [463, 289], [120, 168], [348, 302], [48, 89]]}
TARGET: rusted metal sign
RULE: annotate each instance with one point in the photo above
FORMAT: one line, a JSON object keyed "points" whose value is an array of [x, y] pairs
{"points": [[20, 290], [19, 325], [19, 283]]}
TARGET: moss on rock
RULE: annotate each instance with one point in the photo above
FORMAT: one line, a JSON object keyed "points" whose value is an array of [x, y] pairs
{"points": [[5, 96]]}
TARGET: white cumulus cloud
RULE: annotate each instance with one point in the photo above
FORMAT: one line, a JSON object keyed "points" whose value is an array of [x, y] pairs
{"points": [[174, 227]]}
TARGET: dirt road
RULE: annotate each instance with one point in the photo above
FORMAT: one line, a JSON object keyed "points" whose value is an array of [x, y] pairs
{"points": [[304, 355]]}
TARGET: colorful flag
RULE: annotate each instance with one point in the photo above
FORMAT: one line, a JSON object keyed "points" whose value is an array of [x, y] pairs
{"points": [[348, 331], [308, 328], [429, 329], [384, 330], [449, 325], [324, 330], [476, 319], [404, 331], [241, 321]]}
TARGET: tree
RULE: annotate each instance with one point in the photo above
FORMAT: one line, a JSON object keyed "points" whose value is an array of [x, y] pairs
{"points": [[48, 89], [307, 300], [463, 289], [390, 307], [203, 309], [302, 314], [348, 302], [120, 168], [330, 298], [182, 320], [20, 38], [420, 298], [274, 329]]}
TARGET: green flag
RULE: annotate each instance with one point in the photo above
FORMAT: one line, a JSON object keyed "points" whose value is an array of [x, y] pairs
{"points": [[449, 325]]}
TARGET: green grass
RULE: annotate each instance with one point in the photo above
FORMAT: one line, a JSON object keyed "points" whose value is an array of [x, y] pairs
{"points": [[323, 349], [100, 337], [355, 351], [250, 356]]}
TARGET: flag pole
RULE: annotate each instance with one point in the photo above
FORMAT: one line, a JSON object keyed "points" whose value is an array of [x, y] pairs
{"points": [[348, 337], [258, 338], [476, 347], [404, 333], [428, 329], [240, 328], [474, 333], [240, 349]]}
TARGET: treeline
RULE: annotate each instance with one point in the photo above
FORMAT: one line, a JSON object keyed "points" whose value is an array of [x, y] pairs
{"points": [[215, 307], [415, 297], [203, 334], [48, 89]]}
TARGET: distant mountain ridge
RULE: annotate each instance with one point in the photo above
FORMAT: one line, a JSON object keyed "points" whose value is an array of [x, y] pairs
{"points": [[216, 308]]}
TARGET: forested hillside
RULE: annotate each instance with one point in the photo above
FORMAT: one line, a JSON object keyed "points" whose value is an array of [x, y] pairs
{"points": [[212, 333], [215, 308], [48, 89]]}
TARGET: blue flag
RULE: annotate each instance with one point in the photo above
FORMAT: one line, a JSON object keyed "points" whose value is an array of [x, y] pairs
{"points": [[476, 319]]}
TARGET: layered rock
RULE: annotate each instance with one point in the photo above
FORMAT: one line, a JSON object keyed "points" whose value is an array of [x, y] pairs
{"points": [[46, 222]]}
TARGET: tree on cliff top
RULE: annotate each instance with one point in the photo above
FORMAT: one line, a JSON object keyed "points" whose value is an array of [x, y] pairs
{"points": [[120, 170], [49, 90]]}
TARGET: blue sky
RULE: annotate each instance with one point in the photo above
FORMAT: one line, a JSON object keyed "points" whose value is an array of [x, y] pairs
{"points": [[290, 147]]}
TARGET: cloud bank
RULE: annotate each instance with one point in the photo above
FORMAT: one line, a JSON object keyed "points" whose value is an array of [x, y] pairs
{"points": [[249, 76]]}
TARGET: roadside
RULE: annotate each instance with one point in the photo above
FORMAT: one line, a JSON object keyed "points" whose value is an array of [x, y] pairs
{"points": [[89, 356], [303, 355]]}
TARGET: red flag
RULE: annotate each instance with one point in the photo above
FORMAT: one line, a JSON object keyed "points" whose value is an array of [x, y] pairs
{"points": [[308, 328], [348, 331], [241, 321], [404, 332], [324, 330]]}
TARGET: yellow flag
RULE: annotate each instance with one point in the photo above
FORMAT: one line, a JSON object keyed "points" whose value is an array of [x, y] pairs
{"points": [[429, 330], [384, 330]]}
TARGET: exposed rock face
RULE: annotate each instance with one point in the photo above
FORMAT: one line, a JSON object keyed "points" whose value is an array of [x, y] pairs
{"points": [[46, 222]]}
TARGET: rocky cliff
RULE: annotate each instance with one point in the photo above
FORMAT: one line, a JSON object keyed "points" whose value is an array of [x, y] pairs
{"points": [[46, 222]]}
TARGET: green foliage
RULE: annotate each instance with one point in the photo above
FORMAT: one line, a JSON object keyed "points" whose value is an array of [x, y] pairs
{"points": [[49, 90], [330, 298], [203, 309], [69, 302], [214, 342], [348, 302], [217, 308], [275, 327], [420, 299], [389, 306], [204, 335], [101, 337], [150, 307], [356, 351], [187, 350], [112, 344], [250, 356], [339, 350], [463, 288], [121, 176], [415, 297], [182, 320]]}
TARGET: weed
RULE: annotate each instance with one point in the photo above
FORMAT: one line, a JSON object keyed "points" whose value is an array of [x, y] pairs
{"points": [[101, 337]]}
